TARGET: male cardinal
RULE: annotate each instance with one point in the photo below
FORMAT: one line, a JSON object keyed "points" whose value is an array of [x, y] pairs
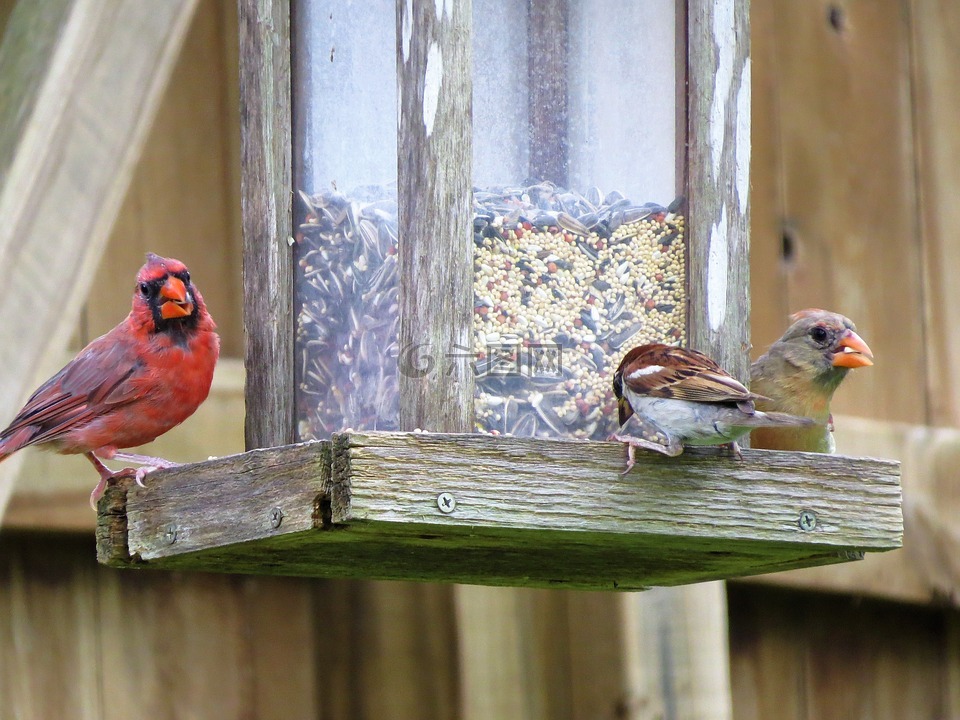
{"points": [[669, 397], [131, 385], [799, 374]]}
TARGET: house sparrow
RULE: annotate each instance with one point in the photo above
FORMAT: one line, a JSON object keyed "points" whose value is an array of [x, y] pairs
{"points": [[131, 385], [799, 374], [669, 397]]}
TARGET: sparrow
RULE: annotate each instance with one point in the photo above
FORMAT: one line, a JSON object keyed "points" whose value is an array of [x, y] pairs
{"points": [[799, 374], [669, 397], [129, 386]]}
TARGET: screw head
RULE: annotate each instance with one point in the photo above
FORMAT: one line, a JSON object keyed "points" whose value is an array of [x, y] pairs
{"points": [[446, 502], [807, 520], [276, 517], [170, 533]]}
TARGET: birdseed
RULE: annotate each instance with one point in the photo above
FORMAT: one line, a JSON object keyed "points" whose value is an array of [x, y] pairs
{"points": [[564, 285]]}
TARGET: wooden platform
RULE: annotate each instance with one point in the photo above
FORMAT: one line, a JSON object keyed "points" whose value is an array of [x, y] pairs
{"points": [[503, 511]]}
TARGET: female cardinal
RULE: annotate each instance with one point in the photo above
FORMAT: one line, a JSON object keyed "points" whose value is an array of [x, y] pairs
{"points": [[799, 374], [131, 385], [669, 397]]}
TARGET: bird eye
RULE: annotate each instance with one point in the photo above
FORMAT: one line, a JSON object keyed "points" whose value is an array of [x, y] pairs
{"points": [[144, 289], [185, 276], [818, 334]]}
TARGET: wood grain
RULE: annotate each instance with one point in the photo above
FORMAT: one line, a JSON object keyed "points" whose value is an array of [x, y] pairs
{"points": [[267, 220], [935, 92], [65, 626], [699, 516], [435, 216], [718, 179], [81, 106], [807, 655]]}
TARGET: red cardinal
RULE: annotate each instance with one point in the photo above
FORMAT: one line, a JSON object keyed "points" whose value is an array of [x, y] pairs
{"points": [[131, 385]]}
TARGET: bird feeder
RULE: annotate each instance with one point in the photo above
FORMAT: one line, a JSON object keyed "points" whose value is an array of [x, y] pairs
{"points": [[458, 217]]}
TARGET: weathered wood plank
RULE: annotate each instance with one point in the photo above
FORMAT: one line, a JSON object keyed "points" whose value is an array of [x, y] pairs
{"points": [[935, 94], [549, 513], [81, 83], [718, 180], [435, 215], [267, 220]]}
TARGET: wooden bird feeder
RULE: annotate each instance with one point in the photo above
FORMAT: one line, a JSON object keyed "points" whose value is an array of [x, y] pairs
{"points": [[427, 247]]}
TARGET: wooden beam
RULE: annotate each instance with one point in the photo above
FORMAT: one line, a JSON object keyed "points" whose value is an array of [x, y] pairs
{"points": [[265, 123], [502, 511], [83, 80], [718, 113], [436, 219]]}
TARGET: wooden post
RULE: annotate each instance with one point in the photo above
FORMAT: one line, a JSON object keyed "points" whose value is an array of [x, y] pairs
{"points": [[436, 221], [267, 220], [718, 267]]}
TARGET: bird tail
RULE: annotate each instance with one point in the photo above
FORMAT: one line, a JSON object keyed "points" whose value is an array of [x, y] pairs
{"points": [[779, 419], [13, 442]]}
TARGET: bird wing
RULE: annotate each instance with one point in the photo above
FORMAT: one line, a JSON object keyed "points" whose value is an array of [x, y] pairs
{"points": [[673, 372], [94, 382]]}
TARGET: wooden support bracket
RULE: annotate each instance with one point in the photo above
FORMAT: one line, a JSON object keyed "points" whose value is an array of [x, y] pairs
{"points": [[502, 511]]}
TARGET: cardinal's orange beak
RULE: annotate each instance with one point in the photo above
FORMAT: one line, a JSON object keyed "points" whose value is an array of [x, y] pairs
{"points": [[852, 352], [178, 303]]}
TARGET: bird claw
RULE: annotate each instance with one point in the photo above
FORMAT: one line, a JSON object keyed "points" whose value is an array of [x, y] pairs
{"points": [[142, 472], [735, 450], [138, 474], [97, 493]]}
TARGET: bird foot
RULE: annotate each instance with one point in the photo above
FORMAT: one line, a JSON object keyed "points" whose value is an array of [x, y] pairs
{"points": [[634, 442], [735, 451], [148, 465]]}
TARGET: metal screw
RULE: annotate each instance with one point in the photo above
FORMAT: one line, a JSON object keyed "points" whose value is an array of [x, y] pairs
{"points": [[170, 533], [446, 502], [276, 517], [808, 520]]}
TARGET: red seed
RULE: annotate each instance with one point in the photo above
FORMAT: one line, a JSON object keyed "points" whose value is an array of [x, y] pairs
{"points": [[504, 295], [658, 277], [552, 267], [650, 304]]}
